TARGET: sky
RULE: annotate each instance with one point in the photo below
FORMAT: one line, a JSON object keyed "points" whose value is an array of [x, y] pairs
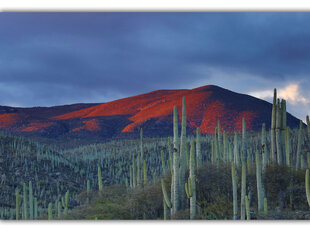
{"points": [[51, 59]]}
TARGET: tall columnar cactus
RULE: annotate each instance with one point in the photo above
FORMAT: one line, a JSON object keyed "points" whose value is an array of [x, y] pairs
{"points": [[144, 174], [166, 199], [66, 202], [35, 200], [308, 159], [260, 189], [25, 203], [244, 141], [141, 149], [58, 209], [265, 206], [307, 186], [17, 196], [163, 165], [288, 147], [176, 184], [183, 155], [247, 208], [50, 213], [30, 201], [273, 127], [298, 155], [264, 148], [198, 148], [243, 190], [235, 195], [138, 174], [308, 125], [219, 138], [236, 151], [283, 128], [99, 179], [192, 176], [134, 172], [278, 132]]}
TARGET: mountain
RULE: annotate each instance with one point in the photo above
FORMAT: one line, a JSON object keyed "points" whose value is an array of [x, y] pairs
{"points": [[150, 111]]}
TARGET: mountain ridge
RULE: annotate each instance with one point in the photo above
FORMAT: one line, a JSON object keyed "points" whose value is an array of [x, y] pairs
{"points": [[151, 111]]}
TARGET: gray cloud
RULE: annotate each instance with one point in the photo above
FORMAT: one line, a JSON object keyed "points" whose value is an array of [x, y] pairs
{"points": [[61, 58]]}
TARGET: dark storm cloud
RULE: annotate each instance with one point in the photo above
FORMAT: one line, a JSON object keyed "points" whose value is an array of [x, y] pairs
{"points": [[60, 58]]}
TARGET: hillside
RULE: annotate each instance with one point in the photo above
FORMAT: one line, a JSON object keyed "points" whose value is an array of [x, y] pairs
{"points": [[151, 111]]}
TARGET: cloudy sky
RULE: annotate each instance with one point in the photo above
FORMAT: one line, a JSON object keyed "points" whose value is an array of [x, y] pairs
{"points": [[62, 58]]}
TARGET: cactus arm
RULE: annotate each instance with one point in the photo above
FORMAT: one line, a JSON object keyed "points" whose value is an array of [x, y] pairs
{"points": [[166, 198], [307, 186]]}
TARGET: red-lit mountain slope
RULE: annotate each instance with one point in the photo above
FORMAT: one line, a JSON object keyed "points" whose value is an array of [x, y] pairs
{"points": [[151, 111]]}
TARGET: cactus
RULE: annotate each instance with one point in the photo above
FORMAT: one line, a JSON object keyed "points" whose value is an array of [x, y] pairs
{"points": [[50, 213], [183, 156], [264, 148], [198, 148], [192, 177], [243, 191], [35, 200], [283, 128], [58, 209], [273, 127], [288, 147], [141, 152], [247, 208], [99, 179], [298, 155], [176, 188], [66, 202], [25, 204], [235, 196], [166, 198], [165, 209], [308, 159], [307, 186], [163, 162], [278, 132], [244, 142], [265, 206], [308, 125], [30, 201], [17, 203], [236, 151], [260, 189], [144, 173], [88, 187]]}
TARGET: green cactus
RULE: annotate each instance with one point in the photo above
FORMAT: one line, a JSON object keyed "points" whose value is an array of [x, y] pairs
{"points": [[58, 209], [265, 206], [198, 148], [176, 188], [163, 162], [243, 191], [273, 127], [308, 125], [50, 213], [25, 203], [260, 189], [236, 151], [307, 186], [264, 148], [308, 159], [141, 151], [66, 202], [182, 156], [298, 155], [235, 195], [288, 147], [99, 179], [17, 203], [192, 176], [165, 210], [144, 174], [278, 132], [244, 142], [247, 208], [30, 201], [166, 198], [35, 200]]}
